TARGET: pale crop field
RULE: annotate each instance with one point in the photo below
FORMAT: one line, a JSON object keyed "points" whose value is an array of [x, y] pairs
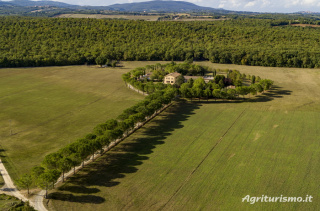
{"points": [[45, 108], [100, 16], [208, 156]]}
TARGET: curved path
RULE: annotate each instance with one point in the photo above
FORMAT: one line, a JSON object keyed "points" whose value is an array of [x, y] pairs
{"points": [[10, 189]]}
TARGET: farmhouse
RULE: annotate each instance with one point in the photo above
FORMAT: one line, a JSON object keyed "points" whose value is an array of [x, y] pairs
{"points": [[171, 78]]}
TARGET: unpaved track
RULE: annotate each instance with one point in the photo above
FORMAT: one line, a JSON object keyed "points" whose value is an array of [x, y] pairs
{"points": [[10, 189]]}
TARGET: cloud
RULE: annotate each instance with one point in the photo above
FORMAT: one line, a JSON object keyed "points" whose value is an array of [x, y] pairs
{"points": [[269, 5], [302, 3], [250, 4]]}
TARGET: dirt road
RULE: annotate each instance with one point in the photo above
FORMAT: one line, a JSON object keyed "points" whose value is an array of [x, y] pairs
{"points": [[10, 189]]}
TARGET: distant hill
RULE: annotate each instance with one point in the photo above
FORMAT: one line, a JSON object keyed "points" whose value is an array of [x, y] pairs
{"points": [[150, 6], [28, 3], [4, 3], [161, 6]]}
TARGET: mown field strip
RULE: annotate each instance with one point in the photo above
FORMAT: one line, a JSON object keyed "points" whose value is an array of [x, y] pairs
{"points": [[196, 168]]}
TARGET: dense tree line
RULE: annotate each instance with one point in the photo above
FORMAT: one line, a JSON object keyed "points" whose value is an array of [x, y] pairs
{"points": [[53, 41]]}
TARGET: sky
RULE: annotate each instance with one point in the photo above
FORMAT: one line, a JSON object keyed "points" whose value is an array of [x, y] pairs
{"points": [[285, 6]]}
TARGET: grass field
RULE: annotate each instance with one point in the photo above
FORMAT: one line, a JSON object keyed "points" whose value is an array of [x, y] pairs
{"points": [[1, 181], [100, 16], [208, 156], [43, 109]]}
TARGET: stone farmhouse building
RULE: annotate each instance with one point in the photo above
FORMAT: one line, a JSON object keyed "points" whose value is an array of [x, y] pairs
{"points": [[171, 78]]}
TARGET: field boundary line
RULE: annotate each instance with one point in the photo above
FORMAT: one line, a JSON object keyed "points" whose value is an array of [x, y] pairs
{"points": [[197, 167]]}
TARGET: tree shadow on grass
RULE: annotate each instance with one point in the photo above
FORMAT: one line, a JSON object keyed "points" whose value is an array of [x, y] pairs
{"points": [[75, 198], [79, 189], [2, 153], [126, 156], [275, 92]]}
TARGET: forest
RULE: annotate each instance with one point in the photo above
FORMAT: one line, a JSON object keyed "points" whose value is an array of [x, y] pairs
{"points": [[27, 42]]}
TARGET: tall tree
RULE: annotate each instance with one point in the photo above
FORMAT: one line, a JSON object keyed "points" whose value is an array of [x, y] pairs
{"points": [[25, 181], [64, 165], [207, 93], [47, 178]]}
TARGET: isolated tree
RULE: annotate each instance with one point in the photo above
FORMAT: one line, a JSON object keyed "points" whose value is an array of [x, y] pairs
{"points": [[25, 181]]}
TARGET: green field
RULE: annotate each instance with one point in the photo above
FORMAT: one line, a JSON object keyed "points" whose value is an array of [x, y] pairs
{"points": [[208, 156], [45, 108], [1, 181]]}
